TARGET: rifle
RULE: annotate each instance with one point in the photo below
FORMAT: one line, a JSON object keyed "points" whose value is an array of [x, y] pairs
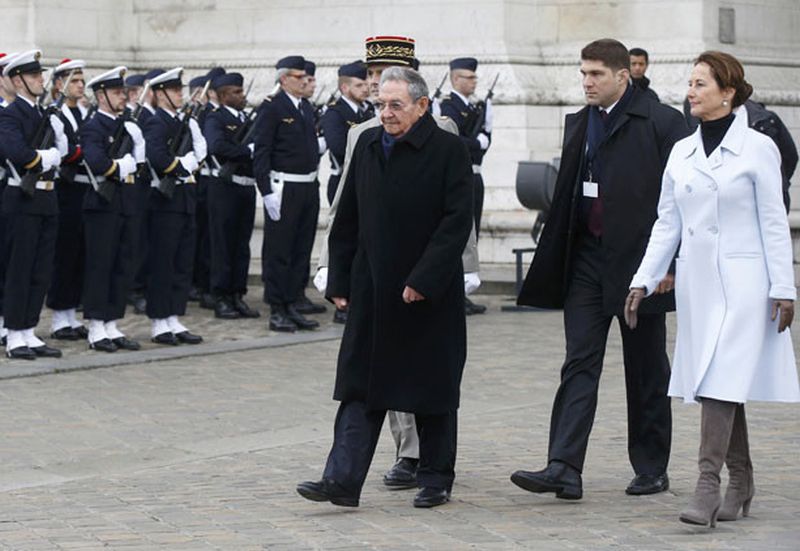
{"points": [[479, 118], [182, 144], [44, 137], [438, 91]]}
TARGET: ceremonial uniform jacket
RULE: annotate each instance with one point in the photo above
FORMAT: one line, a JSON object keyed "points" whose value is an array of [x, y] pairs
{"points": [[221, 128], [160, 131], [336, 123], [463, 115]]}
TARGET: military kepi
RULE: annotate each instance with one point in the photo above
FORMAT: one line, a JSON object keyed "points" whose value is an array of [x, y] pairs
{"points": [[24, 63], [310, 68], [228, 79], [68, 65], [392, 50], [357, 69], [296, 62], [465, 63], [169, 79], [134, 81], [115, 78]]}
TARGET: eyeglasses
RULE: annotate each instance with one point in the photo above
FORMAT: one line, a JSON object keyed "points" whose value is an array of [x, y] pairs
{"points": [[394, 106], [296, 75]]}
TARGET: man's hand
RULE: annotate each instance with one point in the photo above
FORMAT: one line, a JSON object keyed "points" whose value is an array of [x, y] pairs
{"points": [[340, 303], [786, 309], [667, 284], [632, 303], [410, 295]]}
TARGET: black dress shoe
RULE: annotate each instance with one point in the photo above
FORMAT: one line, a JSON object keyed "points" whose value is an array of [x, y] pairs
{"points": [[194, 294], [188, 338], [225, 310], [304, 306], [126, 344], [45, 351], [645, 484], [103, 345], [82, 332], [558, 477], [21, 353], [431, 497], [299, 319], [340, 316], [207, 301], [470, 308], [66, 334], [279, 321], [403, 475], [244, 309], [327, 490], [166, 338]]}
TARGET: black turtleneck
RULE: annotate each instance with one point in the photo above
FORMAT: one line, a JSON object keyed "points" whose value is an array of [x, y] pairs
{"points": [[713, 132]]}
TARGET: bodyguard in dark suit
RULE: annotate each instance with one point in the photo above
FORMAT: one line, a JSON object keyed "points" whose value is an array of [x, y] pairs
{"points": [[604, 206], [231, 198], [112, 223], [31, 221], [404, 217], [171, 219], [285, 165], [347, 112], [64, 294]]}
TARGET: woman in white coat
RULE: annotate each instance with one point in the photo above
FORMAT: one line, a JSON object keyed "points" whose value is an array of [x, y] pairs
{"points": [[721, 203]]}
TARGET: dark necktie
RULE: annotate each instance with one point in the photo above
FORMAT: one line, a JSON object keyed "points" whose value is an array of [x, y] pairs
{"points": [[595, 222]]}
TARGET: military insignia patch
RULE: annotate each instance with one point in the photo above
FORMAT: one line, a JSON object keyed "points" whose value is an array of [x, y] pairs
{"points": [[352, 124], [464, 114], [232, 127], [288, 120]]}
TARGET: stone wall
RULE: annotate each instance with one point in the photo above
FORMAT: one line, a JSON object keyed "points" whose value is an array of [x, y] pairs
{"points": [[532, 44]]}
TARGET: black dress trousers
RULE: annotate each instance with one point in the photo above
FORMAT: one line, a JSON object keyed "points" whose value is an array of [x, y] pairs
{"points": [[647, 372], [286, 249], [68, 263], [478, 202], [201, 277], [231, 215], [355, 435]]}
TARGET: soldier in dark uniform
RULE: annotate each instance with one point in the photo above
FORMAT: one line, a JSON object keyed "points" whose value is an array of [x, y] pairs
{"points": [[347, 112], [201, 274], [458, 107], [7, 94], [31, 221], [137, 295], [231, 199], [112, 223], [64, 294], [285, 166], [171, 219], [640, 60]]}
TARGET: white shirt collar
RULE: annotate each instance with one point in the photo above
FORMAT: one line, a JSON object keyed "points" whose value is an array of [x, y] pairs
{"points": [[150, 108], [214, 104], [26, 100], [109, 115], [353, 105], [464, 98], [295, 101], [610, 107], [236, 113]]}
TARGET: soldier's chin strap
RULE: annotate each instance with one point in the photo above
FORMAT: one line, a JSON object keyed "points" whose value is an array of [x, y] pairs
{"points": [[169, 99], [25, 82]]}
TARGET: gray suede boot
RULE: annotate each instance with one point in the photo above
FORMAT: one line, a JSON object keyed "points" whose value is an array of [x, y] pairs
{"points": [[716, 423], [740, 471]]}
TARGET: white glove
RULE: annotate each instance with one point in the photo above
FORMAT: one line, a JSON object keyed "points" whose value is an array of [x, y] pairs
{"points": [[135, 133], [321, 279], [127, 166], [489, 118], [198, 141], [272, 203], [471, 282], [51, 158], [61, 141], [437, 107], [483, 140], [252, 148], [322, 145], [189, 162]]}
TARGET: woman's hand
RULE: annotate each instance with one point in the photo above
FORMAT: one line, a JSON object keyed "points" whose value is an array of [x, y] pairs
{"points": [[635, 298], [786, 310], [340, 303]]}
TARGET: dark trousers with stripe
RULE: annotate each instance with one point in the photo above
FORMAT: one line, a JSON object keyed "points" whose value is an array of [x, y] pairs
{"points": [[355, 435], [286, 249], [170, 260], [231, 215]]}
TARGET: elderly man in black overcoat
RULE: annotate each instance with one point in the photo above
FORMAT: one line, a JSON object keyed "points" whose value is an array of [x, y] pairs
{"points": [[395, 260], [604, 206]]}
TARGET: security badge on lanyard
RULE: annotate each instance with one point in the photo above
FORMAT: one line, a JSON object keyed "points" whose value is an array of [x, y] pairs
{"points": [[590, 187]]}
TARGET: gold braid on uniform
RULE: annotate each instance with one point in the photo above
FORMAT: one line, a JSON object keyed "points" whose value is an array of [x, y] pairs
{"points": [[376, 50]]}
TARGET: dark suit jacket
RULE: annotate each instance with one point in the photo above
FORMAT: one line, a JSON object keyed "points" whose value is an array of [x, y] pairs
{"points": [[634, 154]]}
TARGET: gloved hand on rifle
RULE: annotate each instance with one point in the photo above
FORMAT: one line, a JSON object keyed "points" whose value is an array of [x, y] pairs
{"points": [[488, 118], [198, 141], [51, 158], [138, 140], [483, 140], [189, 162], [127, 166], [59, 138]]}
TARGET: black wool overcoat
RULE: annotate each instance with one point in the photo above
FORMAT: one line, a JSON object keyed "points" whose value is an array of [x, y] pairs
{"points": [[403, 221], [635, 153]]}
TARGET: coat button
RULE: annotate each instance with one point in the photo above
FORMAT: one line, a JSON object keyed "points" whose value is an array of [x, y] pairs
{"points": [[713, 230], [691, 231], [688, 188], [713, 186]]}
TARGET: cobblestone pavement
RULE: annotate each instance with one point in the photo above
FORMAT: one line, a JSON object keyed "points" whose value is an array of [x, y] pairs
{"points": [[203, 452]]}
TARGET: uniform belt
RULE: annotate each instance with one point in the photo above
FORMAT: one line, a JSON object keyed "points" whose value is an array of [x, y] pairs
{"points": [[243, 180], [44, 185], [281, 177], [84, 179], [476, 169]]}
